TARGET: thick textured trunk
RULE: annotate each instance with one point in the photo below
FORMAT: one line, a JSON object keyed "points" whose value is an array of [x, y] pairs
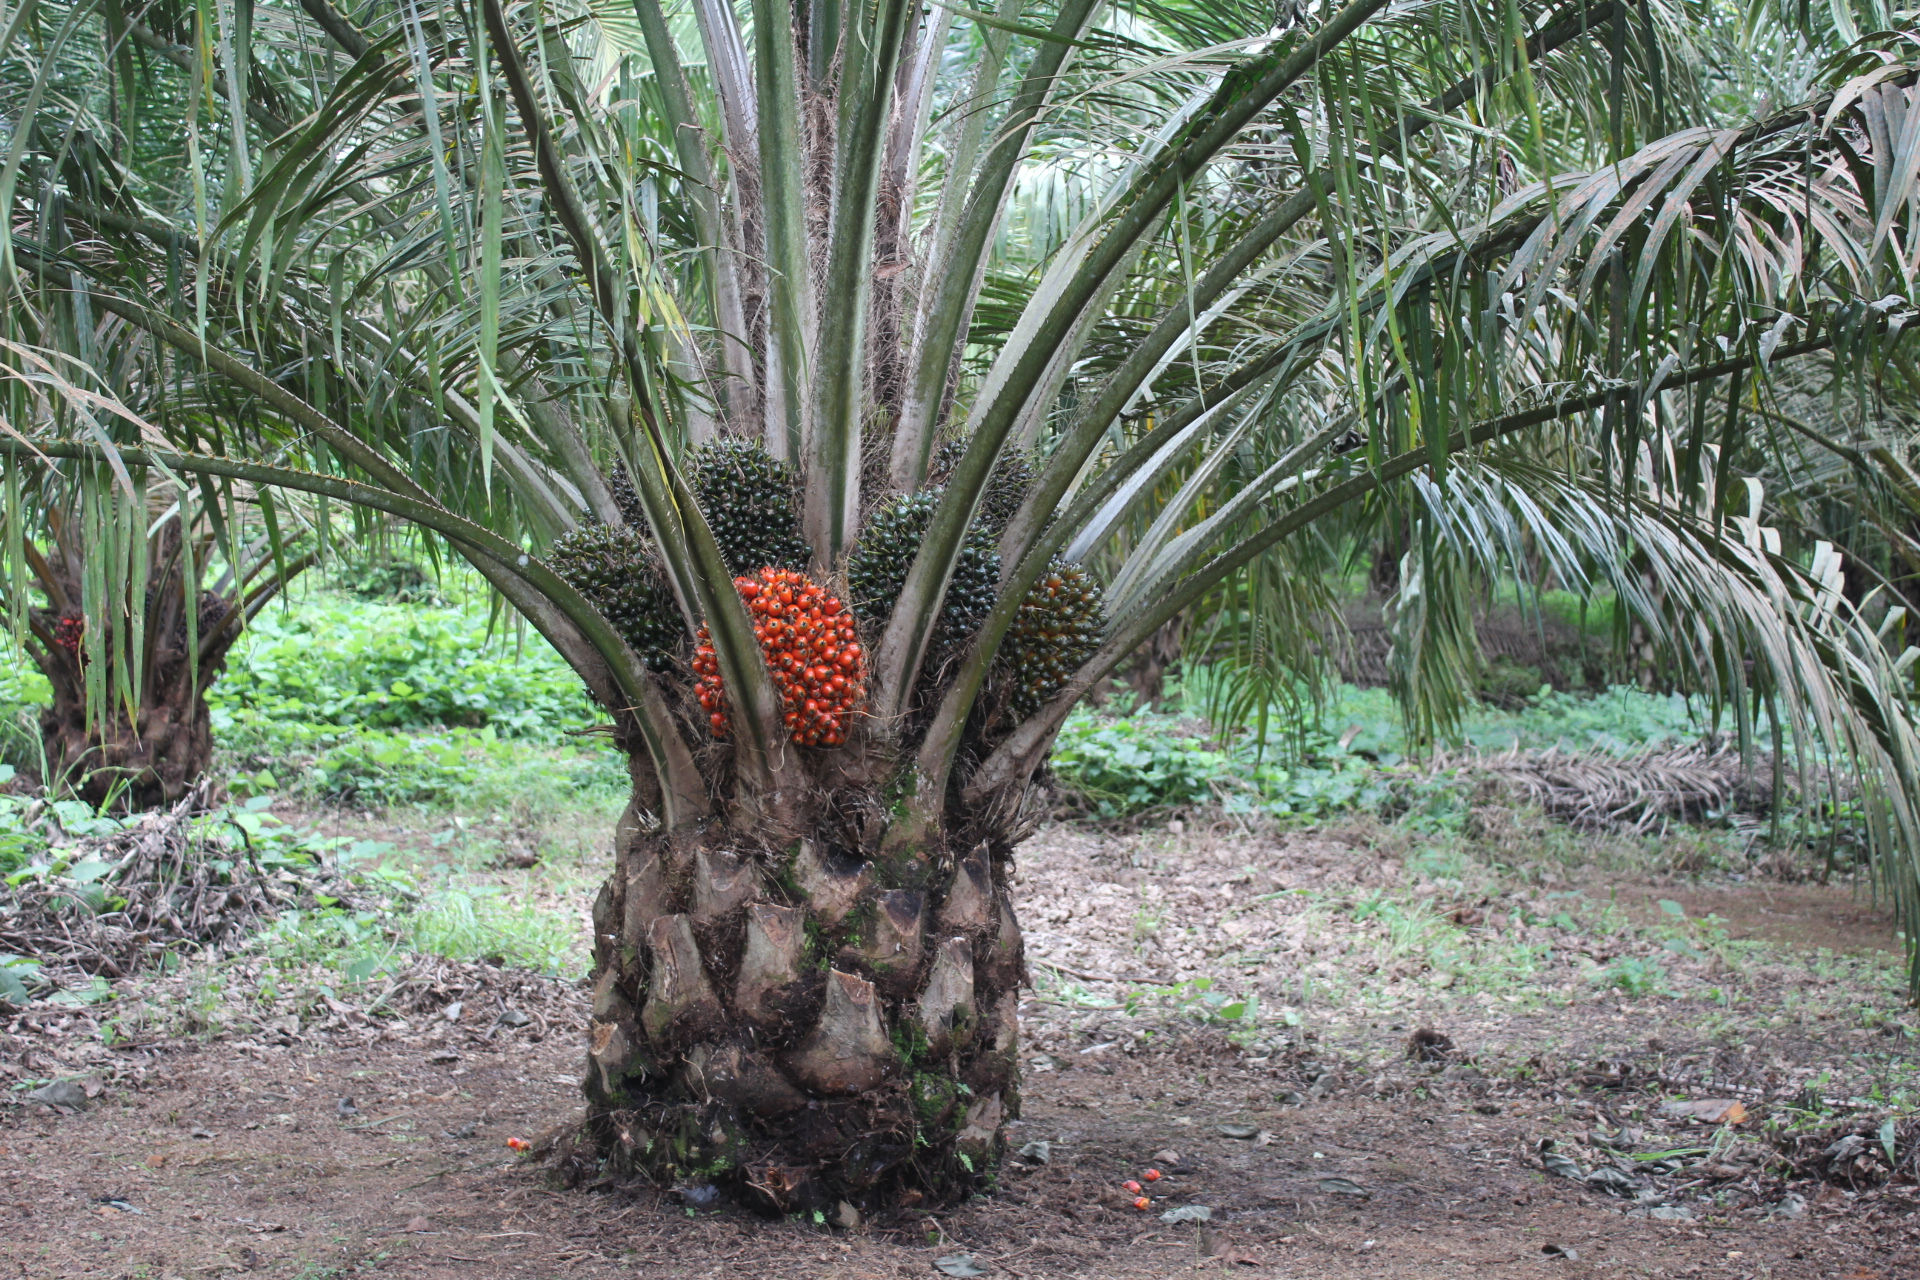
{"points": [[801, 1028], [1383, 572], [1146, 671], [152, 753], [142, 762]]}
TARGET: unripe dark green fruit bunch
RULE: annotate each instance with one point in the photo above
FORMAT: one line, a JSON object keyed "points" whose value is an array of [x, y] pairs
{"points": [[1058, 628], [888, 544], [748, 496], [1007, 486], [612, 569], [627, 498], [749, 499]]}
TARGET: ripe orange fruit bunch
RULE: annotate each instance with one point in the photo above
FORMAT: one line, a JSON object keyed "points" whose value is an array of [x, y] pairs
{"points": [[68, 632], [811, 648]]}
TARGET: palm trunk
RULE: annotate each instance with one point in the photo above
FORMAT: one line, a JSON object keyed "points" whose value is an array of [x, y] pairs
{"points": [[151, 753], [143, 762], [1146, 671], [799, 1027]]}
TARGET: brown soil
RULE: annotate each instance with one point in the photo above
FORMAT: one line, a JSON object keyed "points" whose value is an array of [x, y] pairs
{"points": [[1840, 918], [281, 1186], [201, 1158]]}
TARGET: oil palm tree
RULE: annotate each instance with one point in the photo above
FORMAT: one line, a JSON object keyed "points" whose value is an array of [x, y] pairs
{"points": [[787, 365], [128, 603], [129, 724]]}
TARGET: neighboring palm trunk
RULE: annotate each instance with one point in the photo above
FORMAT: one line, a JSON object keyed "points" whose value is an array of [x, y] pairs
{"points": [[136, 763], [147, 738], [1146, 671]]}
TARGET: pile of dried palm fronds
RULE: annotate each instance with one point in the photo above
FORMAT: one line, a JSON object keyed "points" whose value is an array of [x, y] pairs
{"points": [[169, 880], [1642, 792]]}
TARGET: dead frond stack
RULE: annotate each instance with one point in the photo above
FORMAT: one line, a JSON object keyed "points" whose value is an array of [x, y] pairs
{"points": [[183, 878], [1596, 790]]}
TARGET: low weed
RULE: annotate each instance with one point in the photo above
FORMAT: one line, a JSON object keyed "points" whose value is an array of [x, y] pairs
{"points": [[364, 663], [23, 692], [1131, 763], [1199, 1001], [1352, 758], [477, 921], [471, 769], [378, 705], [21, 841], [1633, 976], [1146, 921]]}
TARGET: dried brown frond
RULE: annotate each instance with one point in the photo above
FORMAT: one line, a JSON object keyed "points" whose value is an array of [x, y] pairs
{"points": [[1595, 790], [170, 887]]}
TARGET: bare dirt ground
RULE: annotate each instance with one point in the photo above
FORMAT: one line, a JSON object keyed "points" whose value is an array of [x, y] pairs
{"points": [[1231, 1008]]}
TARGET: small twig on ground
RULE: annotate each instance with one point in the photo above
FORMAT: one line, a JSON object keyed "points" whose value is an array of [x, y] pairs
{"points": [[1085, 976], [424, 1181]]}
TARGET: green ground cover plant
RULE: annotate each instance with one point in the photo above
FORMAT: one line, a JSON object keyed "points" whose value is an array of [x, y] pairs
{"points": [[340, 661], [23, 692], [375, 703], [1350, 756]]}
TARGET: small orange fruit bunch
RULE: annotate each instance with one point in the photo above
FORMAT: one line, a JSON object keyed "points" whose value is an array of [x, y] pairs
{"points": [[811, 649], [67, 633]]}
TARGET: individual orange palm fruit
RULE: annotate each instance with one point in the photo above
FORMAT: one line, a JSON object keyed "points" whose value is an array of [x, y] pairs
{"points": [[1130, 1185], [518, 1144], [812, 650], [1151, 1175], [1142, 1203]]}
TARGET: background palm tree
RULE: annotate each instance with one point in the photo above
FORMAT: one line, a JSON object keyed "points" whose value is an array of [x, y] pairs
{"points": [[128, 595], [908, 316], [128, 724]]}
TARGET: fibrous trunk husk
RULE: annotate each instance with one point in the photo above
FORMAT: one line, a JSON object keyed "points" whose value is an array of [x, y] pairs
{"points": [[801, 1024], [148, 755], [146, 762]]}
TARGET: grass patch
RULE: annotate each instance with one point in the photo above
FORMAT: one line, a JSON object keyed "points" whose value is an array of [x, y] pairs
{"points": [[475, 920]]}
